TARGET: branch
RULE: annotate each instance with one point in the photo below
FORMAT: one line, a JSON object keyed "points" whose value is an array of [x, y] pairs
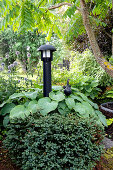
{"points": [[59, 5], [110, 36], [62, 4]]}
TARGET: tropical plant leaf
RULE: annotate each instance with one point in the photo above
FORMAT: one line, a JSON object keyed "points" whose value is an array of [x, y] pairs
{"points": [[46, 105], [19, 111], [58, 96]]}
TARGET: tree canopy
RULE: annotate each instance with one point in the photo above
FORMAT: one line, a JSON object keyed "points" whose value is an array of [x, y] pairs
{"points": [[82, 16]]}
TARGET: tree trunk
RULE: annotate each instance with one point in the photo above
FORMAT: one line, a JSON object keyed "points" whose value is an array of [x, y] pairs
{"points": [[94, 45], [112, 29]]}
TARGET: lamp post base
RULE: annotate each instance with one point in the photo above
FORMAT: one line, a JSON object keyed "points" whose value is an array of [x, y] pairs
{"points": [[46, 78]]}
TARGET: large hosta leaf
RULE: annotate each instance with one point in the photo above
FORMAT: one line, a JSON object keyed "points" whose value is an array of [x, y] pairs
{"points": [[63, 108], [58, 96], [16, 95], [33, 106], [6, 121], [31, 95], [19, 111], [84, 109], [7, 108], [46, 105], [76, 98], [87, 100], [56, 88], [70, 103], [101, 117]]}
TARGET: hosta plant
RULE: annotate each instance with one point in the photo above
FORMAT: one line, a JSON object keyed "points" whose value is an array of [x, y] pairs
{"points": [[31, 102]]}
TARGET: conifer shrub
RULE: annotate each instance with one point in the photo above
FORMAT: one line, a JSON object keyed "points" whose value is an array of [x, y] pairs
{"points": [[54, 142]]}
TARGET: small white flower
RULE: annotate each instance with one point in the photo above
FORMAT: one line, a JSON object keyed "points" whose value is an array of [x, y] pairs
{"points": [[28, 48]]}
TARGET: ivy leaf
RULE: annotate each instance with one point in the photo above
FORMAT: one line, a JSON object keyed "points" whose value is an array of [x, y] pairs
{"points": [[70, 103], [7, 108], [19, 111], [46, 105], [58, 96]]}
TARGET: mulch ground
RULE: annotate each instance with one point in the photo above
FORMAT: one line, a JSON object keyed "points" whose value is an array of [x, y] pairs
{"points": [[5, 161], [106, 162]]}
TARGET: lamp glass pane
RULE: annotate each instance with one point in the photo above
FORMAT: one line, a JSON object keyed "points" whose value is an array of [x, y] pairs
{"points": [[44, 54], [48, 53]]}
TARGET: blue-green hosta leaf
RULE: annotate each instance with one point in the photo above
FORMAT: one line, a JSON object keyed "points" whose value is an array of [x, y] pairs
{"points": [[56, 88], [84, 109], [74, 89], [63, 108], [4, 102], [16, 95], [87, 100], [46, 105], [7, 108], [79, 108], [58, 96], [62, 105], [26, 103], [76, 98], [70, 103], [33, 106], [6, 121], [102, 117], [19, 111], [31, 95]]}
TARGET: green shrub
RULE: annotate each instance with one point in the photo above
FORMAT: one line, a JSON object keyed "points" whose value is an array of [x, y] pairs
{"points": [[54, 142], [87, 64]]}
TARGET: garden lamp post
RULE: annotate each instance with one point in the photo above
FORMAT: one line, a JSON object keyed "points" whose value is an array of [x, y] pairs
{"points": [[46, 57]]}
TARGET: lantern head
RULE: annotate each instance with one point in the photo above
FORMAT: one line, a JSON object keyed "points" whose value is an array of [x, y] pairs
{"points": [[47, 52]]}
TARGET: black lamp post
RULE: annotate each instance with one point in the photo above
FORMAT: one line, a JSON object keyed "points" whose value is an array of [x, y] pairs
{"points": [[46, 57]]}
